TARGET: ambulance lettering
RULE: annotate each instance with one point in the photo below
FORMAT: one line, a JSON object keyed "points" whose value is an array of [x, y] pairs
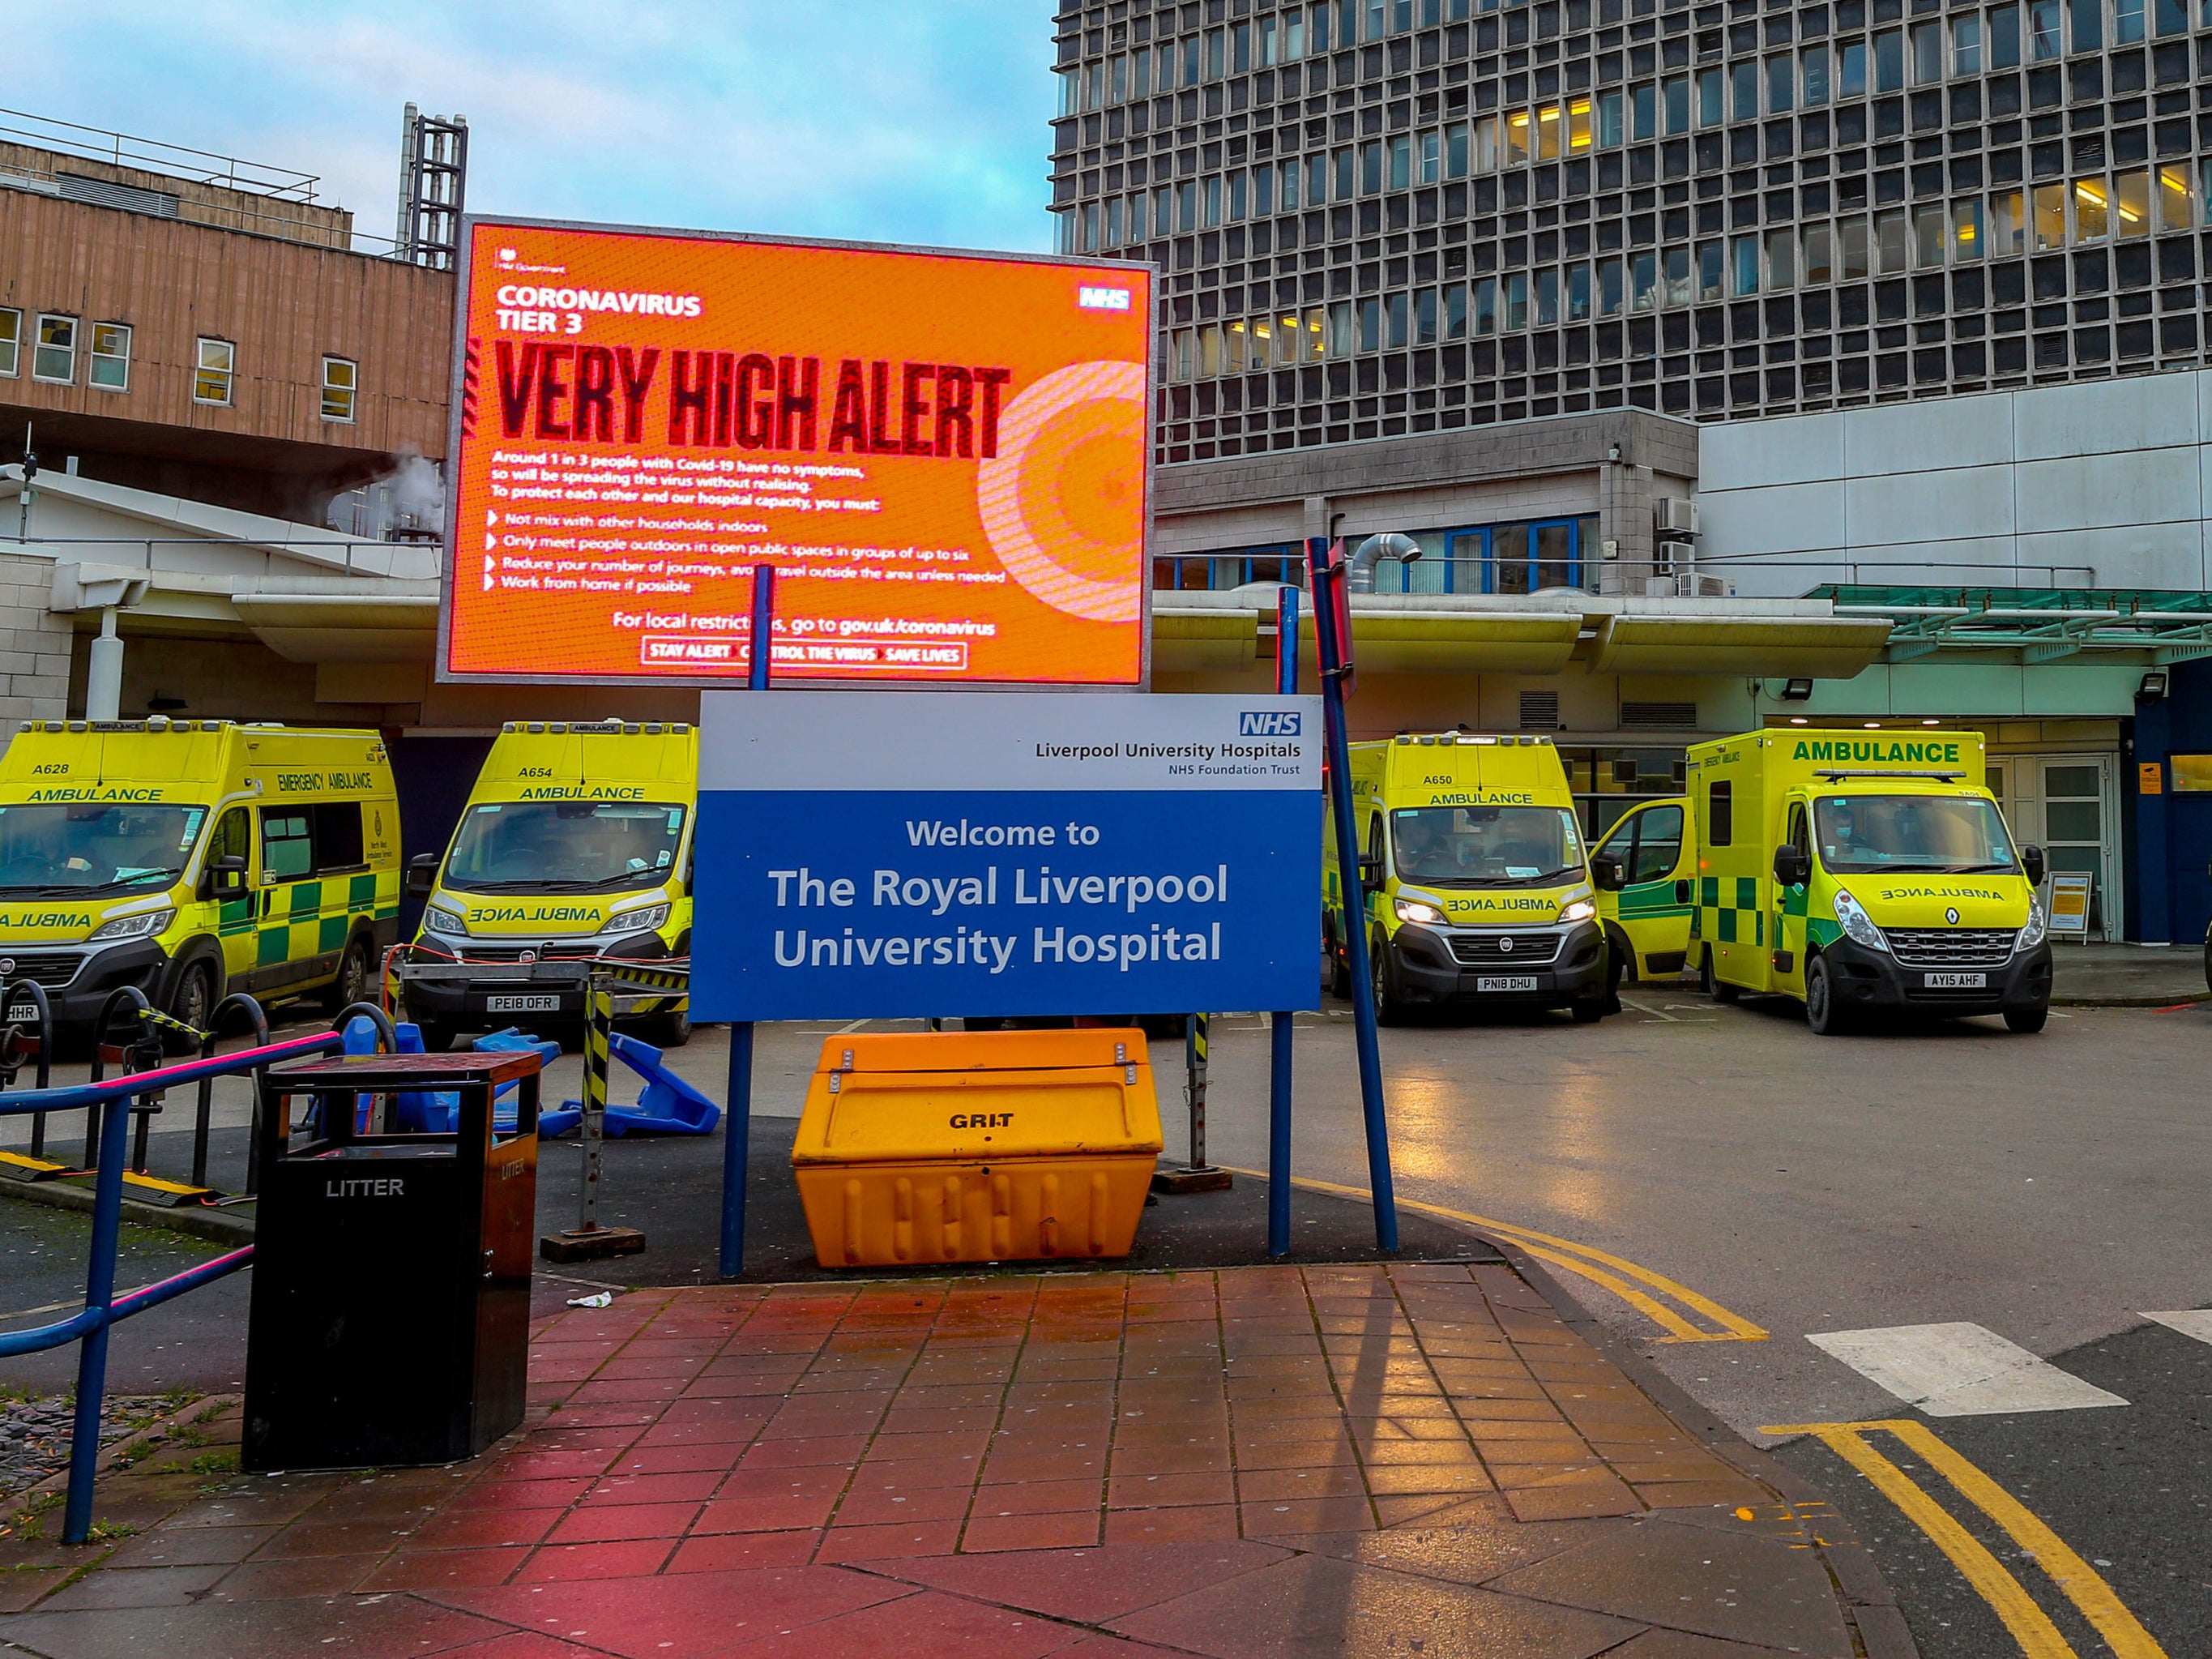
{"points": [[534, 913], [97, 792], [1862, 750]]}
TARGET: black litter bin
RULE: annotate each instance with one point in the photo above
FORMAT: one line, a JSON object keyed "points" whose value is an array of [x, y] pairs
{"points": [[390, 1316]]}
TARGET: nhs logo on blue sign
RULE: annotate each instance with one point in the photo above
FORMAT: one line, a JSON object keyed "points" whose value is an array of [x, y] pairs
{"points": [[1266, 723]]}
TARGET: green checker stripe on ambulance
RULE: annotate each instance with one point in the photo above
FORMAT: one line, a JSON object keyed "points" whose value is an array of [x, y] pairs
{"points": [[360, 891]]}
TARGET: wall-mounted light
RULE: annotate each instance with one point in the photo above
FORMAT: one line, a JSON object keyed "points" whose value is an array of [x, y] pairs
{"points": [[1798, 690], [2152, 688]]}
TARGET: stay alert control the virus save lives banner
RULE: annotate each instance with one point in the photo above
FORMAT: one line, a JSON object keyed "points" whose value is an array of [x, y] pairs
{"points": [[942, 455]]}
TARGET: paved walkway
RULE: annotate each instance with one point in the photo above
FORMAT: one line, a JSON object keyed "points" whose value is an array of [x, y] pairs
{"points": [[2128, 975], [1280, 1461]]}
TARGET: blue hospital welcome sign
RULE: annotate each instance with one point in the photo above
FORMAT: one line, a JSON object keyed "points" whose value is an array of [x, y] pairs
{"points": [[889, 854]]}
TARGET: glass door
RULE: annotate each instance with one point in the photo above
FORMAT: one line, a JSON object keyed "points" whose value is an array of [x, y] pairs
{"points": [[2077, 816]]}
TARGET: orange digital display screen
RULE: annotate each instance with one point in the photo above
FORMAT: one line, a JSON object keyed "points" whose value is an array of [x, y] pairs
{"points": [[943, 456]]}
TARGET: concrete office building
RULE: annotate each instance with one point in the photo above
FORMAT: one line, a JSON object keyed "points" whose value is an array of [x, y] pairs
{"points": [[1531, 283], [1378, 217]]}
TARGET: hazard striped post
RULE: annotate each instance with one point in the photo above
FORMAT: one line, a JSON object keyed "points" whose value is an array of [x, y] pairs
{"points": [[598, 1027]]}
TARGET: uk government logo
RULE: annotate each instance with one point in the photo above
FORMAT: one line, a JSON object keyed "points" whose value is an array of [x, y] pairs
{"points": [[1268, 723]]}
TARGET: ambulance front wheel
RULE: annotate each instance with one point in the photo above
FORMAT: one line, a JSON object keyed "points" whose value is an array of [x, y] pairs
{"points": [[1390, 1006], [192, 1002], [1824, 1012]]}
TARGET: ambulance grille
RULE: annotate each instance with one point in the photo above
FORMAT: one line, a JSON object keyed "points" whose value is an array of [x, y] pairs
{"points": [[1488, 950], [47, 970], [545, 952], [1951, 947]]}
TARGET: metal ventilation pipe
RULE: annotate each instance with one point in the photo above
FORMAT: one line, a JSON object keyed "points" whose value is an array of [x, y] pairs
{"points": [[1391, 544]]}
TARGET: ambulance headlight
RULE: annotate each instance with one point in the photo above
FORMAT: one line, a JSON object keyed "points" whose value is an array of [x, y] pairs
{"points": [[145, 925], [436, 919], [2038, 926], [1580, 910], [1858, 923], [1411, 909], [649, 920]]}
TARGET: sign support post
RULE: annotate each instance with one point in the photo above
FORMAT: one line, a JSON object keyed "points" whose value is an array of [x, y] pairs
{"points": [[1281, 1023], [738, 1120], [1334, 649]]}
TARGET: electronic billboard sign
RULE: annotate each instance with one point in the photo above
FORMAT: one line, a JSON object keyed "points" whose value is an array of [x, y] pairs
{"points": [[945, 455]]}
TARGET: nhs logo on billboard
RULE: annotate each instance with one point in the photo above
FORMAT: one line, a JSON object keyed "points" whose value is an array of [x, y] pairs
{"points": [[1268, 723], [1103, 298]]}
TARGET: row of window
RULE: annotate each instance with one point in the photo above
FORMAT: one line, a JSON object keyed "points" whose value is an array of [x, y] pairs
{"points": [[1504, 559], [57, 340], [1890, 242], [2030, 31], [1242, 47]]}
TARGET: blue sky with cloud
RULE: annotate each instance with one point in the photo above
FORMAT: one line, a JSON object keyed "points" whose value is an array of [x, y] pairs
{"points": [[893, 120]]}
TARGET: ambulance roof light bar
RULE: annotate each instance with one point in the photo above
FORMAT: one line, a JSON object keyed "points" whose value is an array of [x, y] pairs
{"points": [[1833, 772]]}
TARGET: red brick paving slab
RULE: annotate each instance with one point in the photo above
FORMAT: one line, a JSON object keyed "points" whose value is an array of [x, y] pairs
{"points": [[723, 1550], [634, 1616], [923, 1625], [1316, 1605], [1712, 1584], [628, 1557], [343, 1628], [1093, 1586], [437, 1570]]}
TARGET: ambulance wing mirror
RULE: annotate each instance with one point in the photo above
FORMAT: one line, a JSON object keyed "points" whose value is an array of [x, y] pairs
{"points": [[421, 874], [224, 877], [1791, 867], [2031, 860], [1606, 873]]}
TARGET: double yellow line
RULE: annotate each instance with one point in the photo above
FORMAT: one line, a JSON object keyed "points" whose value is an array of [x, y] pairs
{"points": [[2030, 1625], [1639, 1287]]}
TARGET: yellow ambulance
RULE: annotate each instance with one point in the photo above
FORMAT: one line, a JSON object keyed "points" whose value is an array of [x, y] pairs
{"points": [[1478, 890], [1865, 874], [192, 859], [575, 844], [1647, 921]]}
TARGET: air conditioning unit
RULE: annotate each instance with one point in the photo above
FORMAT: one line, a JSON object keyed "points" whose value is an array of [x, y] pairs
{"points": [[1659, 587], [1676, 518], [1709, 588]]}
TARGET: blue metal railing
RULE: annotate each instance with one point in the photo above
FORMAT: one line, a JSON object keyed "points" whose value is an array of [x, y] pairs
{"points": [[106, 1104]]}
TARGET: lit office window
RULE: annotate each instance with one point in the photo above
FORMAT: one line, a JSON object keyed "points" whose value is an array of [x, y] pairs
{"points": [[341, 382], [55, 356], [217, 369], [110, 365]]}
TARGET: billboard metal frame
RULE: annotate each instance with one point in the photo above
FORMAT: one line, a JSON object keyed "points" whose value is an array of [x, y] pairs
{"points": [[463, 263]]}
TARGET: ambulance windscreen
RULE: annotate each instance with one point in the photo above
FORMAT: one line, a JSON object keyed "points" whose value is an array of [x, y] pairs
{"points": [[87, 847], [1930, 834], [564, 845], [1485, 846]]}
